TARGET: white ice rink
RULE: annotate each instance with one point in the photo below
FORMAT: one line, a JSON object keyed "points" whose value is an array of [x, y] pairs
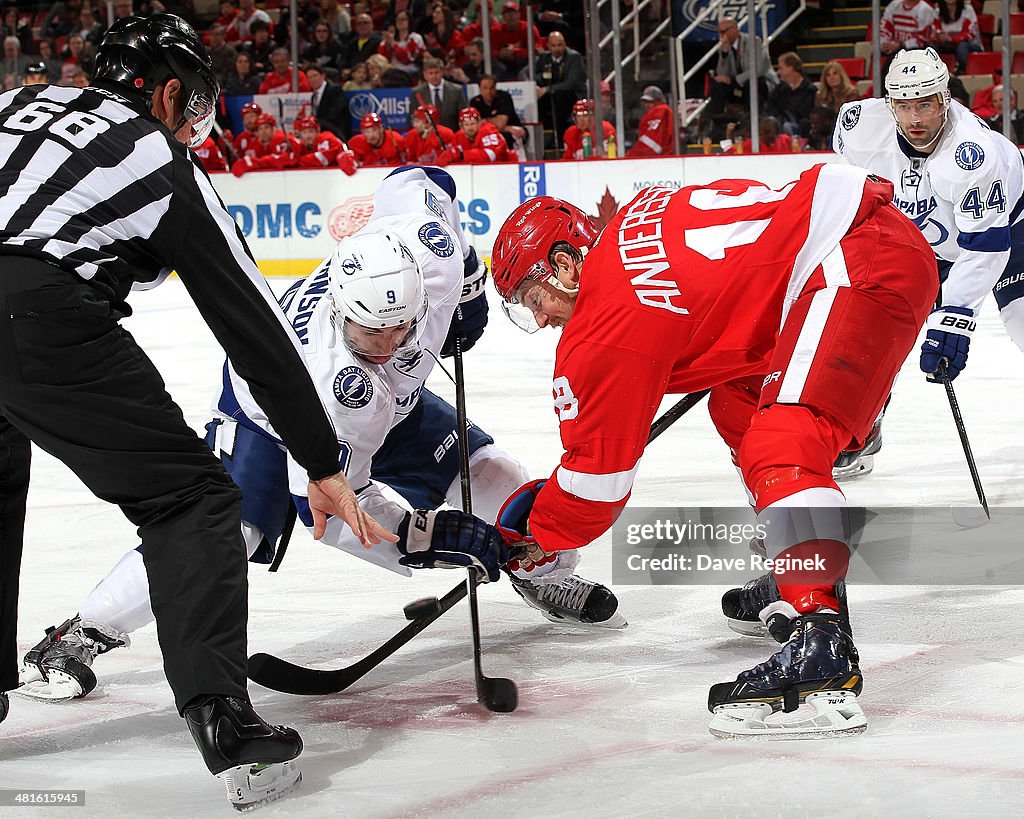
{"points": [[609, 724]]}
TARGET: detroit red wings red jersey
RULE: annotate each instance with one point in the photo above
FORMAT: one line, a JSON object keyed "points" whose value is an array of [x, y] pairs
{"points": [[574, 140], [487, 146], [654, 133], [422, 151], [245, 143], [211, 157], [390, 151], [685, 289], [321, 155]]}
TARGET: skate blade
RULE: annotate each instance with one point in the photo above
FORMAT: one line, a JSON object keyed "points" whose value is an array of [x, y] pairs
{"points": [[968, 515], [748, 628], [615, 622], [836, 713], [249, 790], [60, 687], [860, 468]]}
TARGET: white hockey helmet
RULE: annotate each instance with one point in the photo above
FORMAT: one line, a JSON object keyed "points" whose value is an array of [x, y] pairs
{"points": [[916, 74], [374, 282]]}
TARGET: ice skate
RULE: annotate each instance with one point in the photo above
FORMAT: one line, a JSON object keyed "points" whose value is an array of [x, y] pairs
{"points": [[572, 600], [816, 668], [5, 705], [744, 608], [253, 757], [59, 667], [858, 463]]}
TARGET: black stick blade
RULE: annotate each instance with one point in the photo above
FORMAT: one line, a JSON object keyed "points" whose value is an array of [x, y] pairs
{"points": [[499, 694]]}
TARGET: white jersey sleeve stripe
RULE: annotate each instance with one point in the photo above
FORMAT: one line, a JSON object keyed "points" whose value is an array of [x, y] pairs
{"points": [[607, 488]]}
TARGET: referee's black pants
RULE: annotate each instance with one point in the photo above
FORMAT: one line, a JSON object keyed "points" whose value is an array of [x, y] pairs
{"points": [[74, 382]]}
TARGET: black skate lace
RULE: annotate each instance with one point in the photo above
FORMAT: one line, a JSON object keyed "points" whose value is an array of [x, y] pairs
{"points": [[570, 593]]}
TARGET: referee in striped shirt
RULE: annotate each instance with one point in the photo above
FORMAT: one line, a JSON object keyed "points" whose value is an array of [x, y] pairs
{"points": [[99, 193]]}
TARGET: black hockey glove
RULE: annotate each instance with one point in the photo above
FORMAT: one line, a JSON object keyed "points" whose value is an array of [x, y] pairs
{"points": [[450, 539], [470, 317]]}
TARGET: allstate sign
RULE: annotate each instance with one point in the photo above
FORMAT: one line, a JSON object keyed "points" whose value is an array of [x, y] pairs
{"points": [[391, 103]]}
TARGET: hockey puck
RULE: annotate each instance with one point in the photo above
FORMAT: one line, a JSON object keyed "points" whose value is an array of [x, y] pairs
{"points": [[423, 607]]}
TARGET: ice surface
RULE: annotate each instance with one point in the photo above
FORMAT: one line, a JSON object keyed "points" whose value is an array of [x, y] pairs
{"points": [[609, 724]]}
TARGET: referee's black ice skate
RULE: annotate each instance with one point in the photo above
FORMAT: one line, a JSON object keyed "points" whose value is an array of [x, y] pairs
{"points": [[858, 463], [5, 705], [572, 600], [254, 758], [818, 666], [59, 667], [743, 608]]}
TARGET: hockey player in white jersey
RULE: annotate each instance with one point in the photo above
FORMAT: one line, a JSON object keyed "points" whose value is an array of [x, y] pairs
{"points": [[370, 319], [962, 184]]}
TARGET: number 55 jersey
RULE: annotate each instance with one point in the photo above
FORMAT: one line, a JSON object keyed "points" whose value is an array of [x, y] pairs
{"points": [[820, 287]]}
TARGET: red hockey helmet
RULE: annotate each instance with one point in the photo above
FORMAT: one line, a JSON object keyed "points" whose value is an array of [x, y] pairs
{"points": [[429, 113], [583, 107], [251, 108], [305, 122], [469, 114], [266, 119], [525, 240], [371, 120]]}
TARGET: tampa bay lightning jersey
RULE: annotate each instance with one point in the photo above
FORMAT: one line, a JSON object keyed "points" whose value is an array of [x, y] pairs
{"points": [[964, 196], [364, 400]]}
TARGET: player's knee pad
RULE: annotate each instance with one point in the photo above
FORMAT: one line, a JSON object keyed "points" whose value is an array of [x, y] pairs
{"points": [[1013, 319], [787, 449], [731, 407], [495, 475]]}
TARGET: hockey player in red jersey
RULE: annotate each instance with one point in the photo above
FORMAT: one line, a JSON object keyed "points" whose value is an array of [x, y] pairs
{"points": [[583, 127], [421, 143], [313, 148], [245, 142], [654, 133], [374, 145], [797, 308], [211, 157], [476, 142], [272, 149]]}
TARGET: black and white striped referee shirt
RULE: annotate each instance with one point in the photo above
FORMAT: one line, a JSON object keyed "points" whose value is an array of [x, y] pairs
{"points": [[94, 184]]}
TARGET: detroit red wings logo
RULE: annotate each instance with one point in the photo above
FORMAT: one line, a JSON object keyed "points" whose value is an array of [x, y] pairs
{"points": [[349, 216]]}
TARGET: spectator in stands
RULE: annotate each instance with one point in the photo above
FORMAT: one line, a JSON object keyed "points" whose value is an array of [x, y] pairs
{"points": [[509, 40], [791, 101], [376, 67], [337, 17], [328, 103], [403, 47], [221, 54], [79, 79], [730, 82], [74, 53], [563, 16], [259, 46], [906, 24], [123, 8], [46, 57], [607, 101], [36, 74], [835, 88], [358, 79], [279, 80], [361, 43], [326, 50], [579, 137], [448, 97], [443, 34], [476, 142], [823, 124], [240, 29], [22, 29], [995, 119], [14, 61], [422, 145], [472, 17], [375, 145], [228, 12], [496, 107], [89, 27], [471, 71], [956, 31], [561, 80], [655, 134], [58, 20], [243, 81], [773, 141]]}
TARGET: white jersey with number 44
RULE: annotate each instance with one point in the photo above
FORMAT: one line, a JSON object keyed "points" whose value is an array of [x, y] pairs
{"points": [[963, 196]]}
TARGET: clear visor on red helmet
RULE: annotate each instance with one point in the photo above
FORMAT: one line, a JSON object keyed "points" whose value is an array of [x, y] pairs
{"points": [[525, 300]]}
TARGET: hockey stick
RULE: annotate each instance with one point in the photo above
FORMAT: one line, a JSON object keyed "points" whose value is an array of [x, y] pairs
{"points": [[958, 419], [433, 124], [280, 675], [496, 693]]}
